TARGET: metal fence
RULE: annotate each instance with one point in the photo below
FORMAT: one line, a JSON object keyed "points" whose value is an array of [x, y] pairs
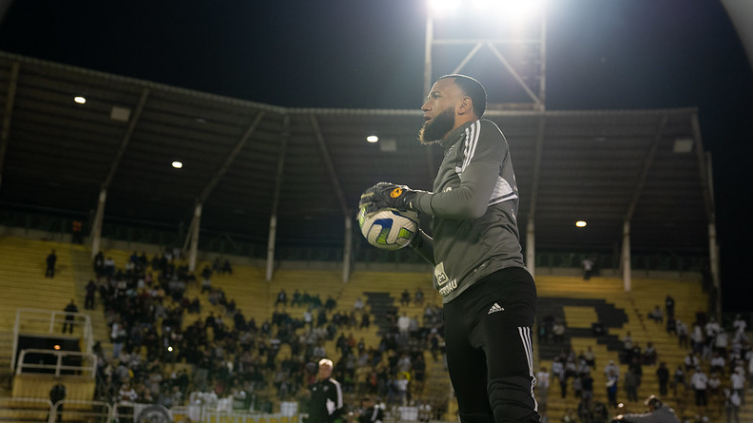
{"points": [[86, 411], [66, 362]]}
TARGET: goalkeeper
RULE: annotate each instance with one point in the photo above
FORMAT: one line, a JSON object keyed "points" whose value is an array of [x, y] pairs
{"points": [[489, 297]]}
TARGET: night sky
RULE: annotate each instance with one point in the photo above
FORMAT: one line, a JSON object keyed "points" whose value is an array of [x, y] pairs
{"points": [[616, 54]]}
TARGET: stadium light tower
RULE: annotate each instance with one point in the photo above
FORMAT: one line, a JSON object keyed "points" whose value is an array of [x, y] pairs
{"points": [[500, 42]]}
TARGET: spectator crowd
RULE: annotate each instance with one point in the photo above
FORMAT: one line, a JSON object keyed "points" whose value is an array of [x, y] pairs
{"points": [[165, 345], [716, 369]]}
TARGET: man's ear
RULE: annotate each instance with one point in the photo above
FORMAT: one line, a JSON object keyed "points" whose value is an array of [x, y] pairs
{"points": [[466, 106]]}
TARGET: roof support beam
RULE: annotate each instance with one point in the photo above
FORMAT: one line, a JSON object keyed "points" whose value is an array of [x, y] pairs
{"points": [[647, 162], [330, 166], [229, 159], [285, 136], [126, 139], [8, 113]]}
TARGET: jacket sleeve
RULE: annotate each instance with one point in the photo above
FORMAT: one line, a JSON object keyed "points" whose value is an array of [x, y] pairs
{"points": [[484, 150], [335, 400]]}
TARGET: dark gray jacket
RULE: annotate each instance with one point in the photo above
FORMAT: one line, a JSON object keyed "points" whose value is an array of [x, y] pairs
{"points": [[474, 204]]}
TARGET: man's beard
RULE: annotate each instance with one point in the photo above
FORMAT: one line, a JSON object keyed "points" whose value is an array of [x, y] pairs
{"points": [[434, 130]]}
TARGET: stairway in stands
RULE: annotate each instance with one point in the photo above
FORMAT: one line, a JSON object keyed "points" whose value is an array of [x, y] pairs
{"points": [[23, 285], [380, 303]]}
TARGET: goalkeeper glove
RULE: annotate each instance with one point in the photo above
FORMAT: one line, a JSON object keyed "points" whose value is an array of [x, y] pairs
{"points": [[388, 195]]}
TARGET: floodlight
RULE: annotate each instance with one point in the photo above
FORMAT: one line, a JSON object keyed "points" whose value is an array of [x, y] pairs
{"points": [[443, 6], [372, 138], [483, 4], [79, 100], [177, 164], [581, 223], [510, 9]]}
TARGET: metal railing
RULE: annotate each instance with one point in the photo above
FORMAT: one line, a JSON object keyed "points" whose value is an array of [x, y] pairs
{"points": [[66, 363], [37, 321], [89, 411]]}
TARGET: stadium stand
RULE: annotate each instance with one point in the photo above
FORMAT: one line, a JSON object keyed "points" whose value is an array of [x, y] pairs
{"points": [[577, 303], [581, 303]]}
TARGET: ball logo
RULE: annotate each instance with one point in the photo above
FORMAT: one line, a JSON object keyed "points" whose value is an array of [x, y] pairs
{"points": [[397, 192]]}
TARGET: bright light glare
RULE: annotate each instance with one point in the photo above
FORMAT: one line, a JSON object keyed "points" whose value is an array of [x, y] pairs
{"points": [[443, 6], [581, 223], [514, 8], [56, 347], [79, 100], [170, 349], [177, 164], [484, 4], [499, 9], [372, 138]]}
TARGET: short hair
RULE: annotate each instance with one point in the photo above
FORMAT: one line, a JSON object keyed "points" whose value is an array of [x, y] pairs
{"points": [[653, 401], [473, 89], [326, 362]]}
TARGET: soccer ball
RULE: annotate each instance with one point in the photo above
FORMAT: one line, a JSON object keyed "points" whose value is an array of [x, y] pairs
{"points": [[388, 229]]}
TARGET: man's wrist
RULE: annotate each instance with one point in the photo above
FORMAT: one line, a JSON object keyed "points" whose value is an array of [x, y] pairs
{"points": [[418, 241], [409, 200]]}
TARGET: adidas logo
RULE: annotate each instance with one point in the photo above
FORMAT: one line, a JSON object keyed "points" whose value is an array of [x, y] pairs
{"points": [[495, 308]]}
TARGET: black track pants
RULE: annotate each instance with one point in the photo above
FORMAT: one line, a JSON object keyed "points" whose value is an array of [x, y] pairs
{"points": [[489, 350]]}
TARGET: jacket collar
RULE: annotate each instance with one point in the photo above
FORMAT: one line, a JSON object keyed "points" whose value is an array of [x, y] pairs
{"points": [[455, 135]]}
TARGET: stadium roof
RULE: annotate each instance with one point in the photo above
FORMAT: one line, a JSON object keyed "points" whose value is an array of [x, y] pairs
{"points": [[599, 166]]}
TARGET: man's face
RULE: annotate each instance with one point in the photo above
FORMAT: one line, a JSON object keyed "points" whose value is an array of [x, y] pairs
{"points": [[439, 110], [325, 371]]}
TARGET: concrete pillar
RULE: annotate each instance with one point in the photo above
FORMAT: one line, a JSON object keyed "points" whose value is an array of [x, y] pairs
{"points": [[96, 233], [531, 247], [626, 276], [714, 269], [271, 246], [347, 248], [195, 225]]}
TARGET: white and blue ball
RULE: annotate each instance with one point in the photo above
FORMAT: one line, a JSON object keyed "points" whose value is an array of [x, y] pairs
{"points": [[388, 229]]}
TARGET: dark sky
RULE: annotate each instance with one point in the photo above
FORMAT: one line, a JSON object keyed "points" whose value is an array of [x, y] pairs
{"points": [[616, 54]]}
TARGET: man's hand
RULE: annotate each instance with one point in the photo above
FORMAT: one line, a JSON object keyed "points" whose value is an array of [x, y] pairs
{"points": [[387, 195]]}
